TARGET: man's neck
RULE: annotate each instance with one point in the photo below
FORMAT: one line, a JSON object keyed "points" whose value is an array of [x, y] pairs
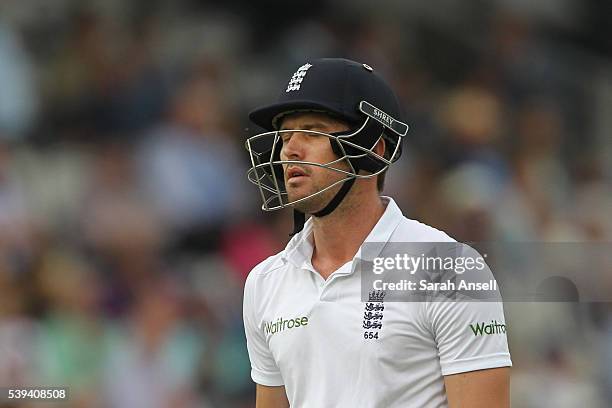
{"points": [[338, 236]]}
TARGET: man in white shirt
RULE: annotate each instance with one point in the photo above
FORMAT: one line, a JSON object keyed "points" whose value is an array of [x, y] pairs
{"points": [[316, 336]]}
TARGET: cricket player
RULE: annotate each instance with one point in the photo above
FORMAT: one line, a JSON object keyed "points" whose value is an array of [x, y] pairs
{"points": [[313, 340]]}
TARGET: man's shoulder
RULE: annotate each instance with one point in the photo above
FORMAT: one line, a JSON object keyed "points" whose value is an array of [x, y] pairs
{"points": [[267, 266], [265, 275], [409, 230]]}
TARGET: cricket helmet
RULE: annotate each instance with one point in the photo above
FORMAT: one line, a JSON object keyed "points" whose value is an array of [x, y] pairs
{"points": [[347, 90]]}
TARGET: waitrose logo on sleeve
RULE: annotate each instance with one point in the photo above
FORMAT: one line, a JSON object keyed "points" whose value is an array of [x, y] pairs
{"points": [[282, 324], [480, 329]]}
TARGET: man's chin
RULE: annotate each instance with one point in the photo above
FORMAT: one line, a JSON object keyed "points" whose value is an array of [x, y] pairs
{"points": [[307, 205], [293, 197], [313, 204]]}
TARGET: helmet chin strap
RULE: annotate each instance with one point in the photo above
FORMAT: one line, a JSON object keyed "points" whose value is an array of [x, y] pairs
{"points": [[299, 218]]}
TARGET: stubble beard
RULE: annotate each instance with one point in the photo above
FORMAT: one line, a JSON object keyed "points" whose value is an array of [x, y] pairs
{"points": [[318, 201]]}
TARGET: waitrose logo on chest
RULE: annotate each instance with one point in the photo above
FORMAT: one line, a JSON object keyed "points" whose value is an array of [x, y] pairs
{"points": [[283, 324]]}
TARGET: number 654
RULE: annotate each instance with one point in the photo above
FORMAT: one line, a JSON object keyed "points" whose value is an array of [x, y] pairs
{"points": [[370, 335]]}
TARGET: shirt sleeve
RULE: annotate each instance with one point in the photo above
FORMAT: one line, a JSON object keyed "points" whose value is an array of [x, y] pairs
{"points": [[470, 333], [264, 370]]}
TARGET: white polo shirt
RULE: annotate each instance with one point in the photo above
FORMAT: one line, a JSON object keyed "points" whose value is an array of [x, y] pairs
{"points": [[307, 333]]}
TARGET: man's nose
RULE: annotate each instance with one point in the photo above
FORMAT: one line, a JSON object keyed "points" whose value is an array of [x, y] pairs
{"points": [[293, 146]]}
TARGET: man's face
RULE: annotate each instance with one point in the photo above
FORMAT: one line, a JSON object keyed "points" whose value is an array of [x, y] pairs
{"points": [[304, 180]]}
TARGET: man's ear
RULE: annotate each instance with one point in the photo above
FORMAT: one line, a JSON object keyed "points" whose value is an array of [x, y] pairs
{"points": [[380, 147]]}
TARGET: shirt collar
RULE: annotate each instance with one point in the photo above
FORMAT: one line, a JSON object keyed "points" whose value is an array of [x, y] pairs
{"points": [[299, 249]]}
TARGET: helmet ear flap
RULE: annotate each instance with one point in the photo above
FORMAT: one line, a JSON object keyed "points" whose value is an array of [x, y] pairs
{"points": [[391, 144], [336, 146], [366, 138]]}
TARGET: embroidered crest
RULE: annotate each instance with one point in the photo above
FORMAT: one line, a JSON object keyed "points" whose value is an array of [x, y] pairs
{"points": [[297, 78], [373, 315]]}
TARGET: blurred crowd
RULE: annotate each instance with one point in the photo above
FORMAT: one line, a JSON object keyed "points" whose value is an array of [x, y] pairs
{"points": [[127, 226]]}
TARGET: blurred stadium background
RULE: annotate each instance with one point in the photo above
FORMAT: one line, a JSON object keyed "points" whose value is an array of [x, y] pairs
{"points": [[127, 226]]}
